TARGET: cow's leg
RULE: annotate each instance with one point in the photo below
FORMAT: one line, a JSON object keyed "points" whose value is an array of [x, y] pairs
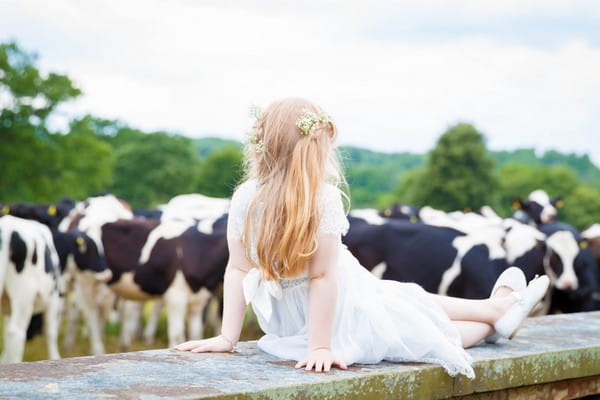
{"points": [[129, 322], [51, 324], [87, 295], [73, 319], [15, 331], [196, 314], [213, 314], [152, 322], [176, 309]]}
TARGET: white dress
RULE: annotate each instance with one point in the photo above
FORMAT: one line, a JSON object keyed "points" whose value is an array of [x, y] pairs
{"points": [[374, 319]]}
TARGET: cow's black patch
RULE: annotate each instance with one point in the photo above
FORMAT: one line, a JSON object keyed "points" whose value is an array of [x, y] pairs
{"points": [[49, 266], [34, 257], [18, 251]]}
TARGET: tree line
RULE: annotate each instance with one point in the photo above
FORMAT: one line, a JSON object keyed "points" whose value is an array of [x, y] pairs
{"points": [[96, 155]]}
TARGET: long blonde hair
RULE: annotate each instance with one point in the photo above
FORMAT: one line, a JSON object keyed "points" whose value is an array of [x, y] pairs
{"points": [[289, 169]]}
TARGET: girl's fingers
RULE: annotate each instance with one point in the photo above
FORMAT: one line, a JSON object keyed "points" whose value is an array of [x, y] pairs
{"points": [[200, 349], [310, 364], [327, 366], [340, 364], [300, 363], [319, 366], [186, 346]]}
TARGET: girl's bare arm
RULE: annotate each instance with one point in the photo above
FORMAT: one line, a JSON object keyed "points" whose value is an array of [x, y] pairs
{"points": [[321, 306]]}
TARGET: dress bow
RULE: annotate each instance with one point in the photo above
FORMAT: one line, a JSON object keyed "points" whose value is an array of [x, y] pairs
{"points": [[259, 291]]}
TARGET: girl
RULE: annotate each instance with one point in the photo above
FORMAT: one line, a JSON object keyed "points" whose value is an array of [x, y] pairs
{"points": [[315, 302]]}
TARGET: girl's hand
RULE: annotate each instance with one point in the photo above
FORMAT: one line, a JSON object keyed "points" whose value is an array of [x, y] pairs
{"points": [[216, 344], [321, 359]]}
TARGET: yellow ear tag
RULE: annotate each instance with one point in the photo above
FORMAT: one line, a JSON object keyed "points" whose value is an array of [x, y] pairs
{"points": [[559, 204], [5, 210], [583, 244], [413, 219], [468, 209], [516, 205], [387, 212], [52, 210], [80, 244]]}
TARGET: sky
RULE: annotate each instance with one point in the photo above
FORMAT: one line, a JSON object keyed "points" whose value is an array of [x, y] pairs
{"points": [[394, 75]]}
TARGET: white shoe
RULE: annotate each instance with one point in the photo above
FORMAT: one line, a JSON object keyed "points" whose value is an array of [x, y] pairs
{"points": [[508, 324], [514, 278]]}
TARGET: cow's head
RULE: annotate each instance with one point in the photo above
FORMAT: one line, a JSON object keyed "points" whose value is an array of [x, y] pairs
{"points": [[87, 257], [559, 263], [539, 207]]}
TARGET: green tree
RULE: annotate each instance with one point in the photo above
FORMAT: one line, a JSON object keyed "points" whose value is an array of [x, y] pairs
{"points": [[582, 207], [30, 155], [154, 168], [518, 180], [458, 172], [219, 173]]}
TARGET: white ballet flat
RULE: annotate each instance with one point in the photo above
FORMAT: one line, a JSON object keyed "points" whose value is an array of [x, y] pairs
{"points": [[508, 325], [514, 278]]}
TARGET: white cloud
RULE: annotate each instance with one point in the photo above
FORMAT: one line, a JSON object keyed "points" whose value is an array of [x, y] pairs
{"points": [[195, 69]]}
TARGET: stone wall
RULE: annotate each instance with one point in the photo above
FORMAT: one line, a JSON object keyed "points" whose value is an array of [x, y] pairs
{"points": [[552, 357]]}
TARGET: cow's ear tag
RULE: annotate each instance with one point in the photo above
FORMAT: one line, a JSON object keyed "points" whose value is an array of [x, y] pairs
{"points": [[559, 204], [52, 210], [516, 205], [5, 210], [387, 212], [413, 219], [583, 244], [80, 244], [468, 209]]}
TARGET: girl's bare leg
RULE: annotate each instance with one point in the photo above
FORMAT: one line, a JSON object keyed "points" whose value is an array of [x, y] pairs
{"points": [[488, 310], [472, 332]]}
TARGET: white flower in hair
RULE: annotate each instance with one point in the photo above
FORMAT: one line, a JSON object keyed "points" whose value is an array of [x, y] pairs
{"points": [[252, 137], [309, 121]]}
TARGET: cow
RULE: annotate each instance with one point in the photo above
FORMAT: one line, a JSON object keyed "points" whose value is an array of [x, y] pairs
{"points": [[34, 266], [178, 262], [29, 283], [92, 298], [538, 209], [571, 267], [442, 260]]}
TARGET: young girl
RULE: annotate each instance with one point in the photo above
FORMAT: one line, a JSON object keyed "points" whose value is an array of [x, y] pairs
{"points": [[315, 302]]}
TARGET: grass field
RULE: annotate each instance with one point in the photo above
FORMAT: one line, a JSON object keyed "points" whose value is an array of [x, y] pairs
{"points": [[35, 349]]}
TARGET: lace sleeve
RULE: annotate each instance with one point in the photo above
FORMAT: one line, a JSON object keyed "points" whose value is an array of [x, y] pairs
{"points": [[237, 210], [333, 217]]}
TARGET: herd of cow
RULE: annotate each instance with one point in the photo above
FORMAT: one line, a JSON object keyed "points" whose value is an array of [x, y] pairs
{"points": [[82, 258]]}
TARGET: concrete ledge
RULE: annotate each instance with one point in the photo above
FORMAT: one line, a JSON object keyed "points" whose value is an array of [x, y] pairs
{"points": [[553, 356]]}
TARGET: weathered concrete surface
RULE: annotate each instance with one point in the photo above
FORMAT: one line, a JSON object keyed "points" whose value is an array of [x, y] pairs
{"points": [[547, 350]]}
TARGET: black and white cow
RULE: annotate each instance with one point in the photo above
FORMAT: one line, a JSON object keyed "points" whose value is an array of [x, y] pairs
{"points": [[441, 260], [92, 298], [29, 283], [181, 264], [538, 209]]}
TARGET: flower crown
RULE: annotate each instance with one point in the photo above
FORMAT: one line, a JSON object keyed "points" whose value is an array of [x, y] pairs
{"points": [[308, 122]]}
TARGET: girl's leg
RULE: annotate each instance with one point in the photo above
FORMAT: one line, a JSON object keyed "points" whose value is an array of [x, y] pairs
{"points": [[488, 310], [472, 332]]}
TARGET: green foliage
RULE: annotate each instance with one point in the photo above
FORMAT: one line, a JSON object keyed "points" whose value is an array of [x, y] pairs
{"points": [[458, 172], [220, 172], [153, 168], [208, 145], [518, 180], [582, 207]]}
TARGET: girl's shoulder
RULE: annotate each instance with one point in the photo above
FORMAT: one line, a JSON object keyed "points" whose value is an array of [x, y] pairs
{"points": [[244, 190]]}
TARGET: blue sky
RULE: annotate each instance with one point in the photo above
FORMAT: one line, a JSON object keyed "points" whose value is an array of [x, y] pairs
{"points": [[393, 74]]}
